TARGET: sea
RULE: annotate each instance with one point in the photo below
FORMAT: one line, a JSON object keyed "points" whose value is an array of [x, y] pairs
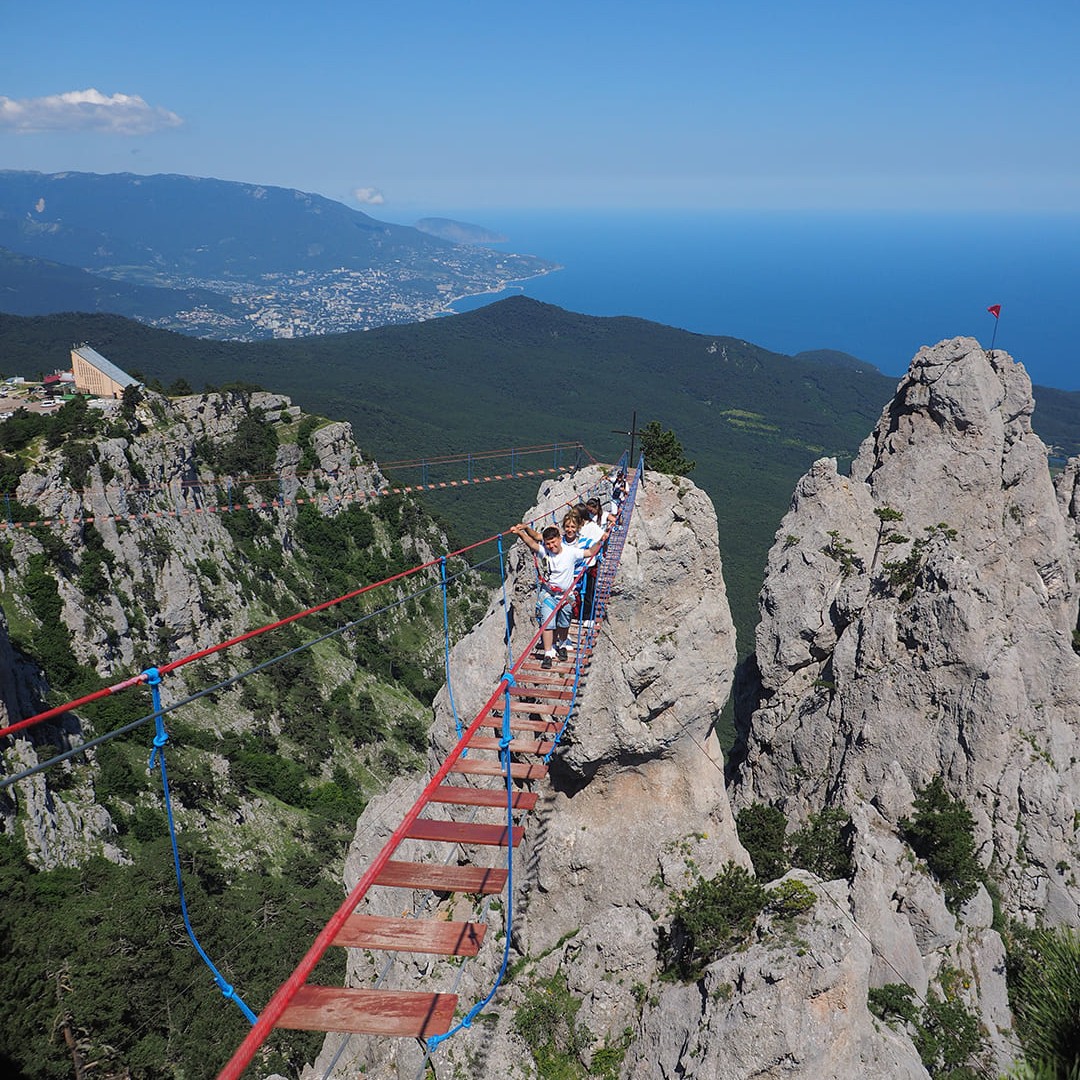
{"points": [[877, 286]]}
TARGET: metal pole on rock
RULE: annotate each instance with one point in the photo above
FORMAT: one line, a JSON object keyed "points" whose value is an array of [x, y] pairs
{"points": [[995, 310]]}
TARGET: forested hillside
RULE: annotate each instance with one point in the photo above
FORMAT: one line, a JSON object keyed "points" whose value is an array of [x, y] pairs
{"points": [[267, 774], [519, 372]]}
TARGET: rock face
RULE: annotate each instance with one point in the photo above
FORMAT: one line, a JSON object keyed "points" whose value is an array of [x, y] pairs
{"points": [[917, 620], [780, 1007], [155, 474], [58, 831], [173, 574], [633, 811]]}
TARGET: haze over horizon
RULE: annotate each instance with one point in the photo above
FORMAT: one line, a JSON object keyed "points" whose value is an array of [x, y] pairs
{"points": [[415, 108]]}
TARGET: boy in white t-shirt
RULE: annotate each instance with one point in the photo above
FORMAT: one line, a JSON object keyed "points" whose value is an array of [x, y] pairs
{"points": [[558, 565]]}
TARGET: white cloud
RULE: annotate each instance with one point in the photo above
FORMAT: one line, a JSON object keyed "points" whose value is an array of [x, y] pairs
{"points": [[84, 110], [369, 196]]}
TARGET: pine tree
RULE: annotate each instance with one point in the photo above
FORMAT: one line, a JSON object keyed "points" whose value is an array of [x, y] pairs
{"points": [[663, 452]]}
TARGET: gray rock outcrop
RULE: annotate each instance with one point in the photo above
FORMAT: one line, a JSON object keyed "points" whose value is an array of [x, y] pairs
{"points": [[634, 801], [156, 475], [917, 620], [793, 1003], [634, 811], [170, 578]]}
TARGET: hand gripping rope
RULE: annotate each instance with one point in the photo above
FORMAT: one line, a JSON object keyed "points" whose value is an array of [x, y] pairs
{"points": [[506, 606]]}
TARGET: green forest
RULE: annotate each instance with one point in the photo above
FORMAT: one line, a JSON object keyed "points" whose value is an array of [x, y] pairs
{"points": [[519, 372]]}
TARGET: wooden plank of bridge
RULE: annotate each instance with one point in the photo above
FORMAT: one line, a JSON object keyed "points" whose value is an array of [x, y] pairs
{"points": [[540, 691], [519, 770], [369, 1012], [546, 708], [442, 878], [463, 832], [538, 676], [411, 935], [532, 668], [470, 796], [520, 724], [561, 691], [515, 746]]}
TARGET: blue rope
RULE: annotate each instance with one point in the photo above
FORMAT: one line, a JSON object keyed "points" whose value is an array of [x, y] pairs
{"points": [[508, 678], [506, 605], [504, 753], [153, 679], [446, 637]]}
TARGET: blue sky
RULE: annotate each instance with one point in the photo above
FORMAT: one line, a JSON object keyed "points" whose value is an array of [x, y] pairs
{"points": [[426, 107]]}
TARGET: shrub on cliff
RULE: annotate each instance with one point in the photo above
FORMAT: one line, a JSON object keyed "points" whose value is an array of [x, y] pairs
{"points": [[547, 1021], [663, 452], [942, 833], [763, 832], [711, 918], [948, 1036], [824, 845], [1044, 991]]}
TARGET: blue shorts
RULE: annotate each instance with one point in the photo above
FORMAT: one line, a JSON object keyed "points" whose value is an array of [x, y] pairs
{"points": [[546, 605]]}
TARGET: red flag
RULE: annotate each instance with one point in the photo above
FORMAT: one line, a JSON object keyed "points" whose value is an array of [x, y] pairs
{"points": [[994, 309]]}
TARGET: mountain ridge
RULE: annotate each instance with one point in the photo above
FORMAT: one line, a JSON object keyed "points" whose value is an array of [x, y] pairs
{"points": [[279, 262], [172, 227], [753, 420]]}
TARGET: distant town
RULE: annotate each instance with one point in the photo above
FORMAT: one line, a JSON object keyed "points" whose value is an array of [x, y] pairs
{"points": [[232, 261], [302, 303]]}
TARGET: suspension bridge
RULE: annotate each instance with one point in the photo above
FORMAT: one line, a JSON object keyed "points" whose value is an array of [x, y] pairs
{"points": [[494, 765]]}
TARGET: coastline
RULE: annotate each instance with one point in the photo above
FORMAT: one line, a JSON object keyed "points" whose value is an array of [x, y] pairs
{"points": [[512, 287], [877, 286]]}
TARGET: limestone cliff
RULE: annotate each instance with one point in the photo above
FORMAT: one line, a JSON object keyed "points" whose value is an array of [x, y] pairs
{"points": [[917, 620], [633, 812], [149, 553], [160, 472]]}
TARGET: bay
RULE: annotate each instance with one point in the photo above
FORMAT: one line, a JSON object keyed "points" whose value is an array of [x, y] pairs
{"points": [[877, 286]]}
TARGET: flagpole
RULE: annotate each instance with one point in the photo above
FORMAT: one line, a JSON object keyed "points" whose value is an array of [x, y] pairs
{"points": [[995, 310]]}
